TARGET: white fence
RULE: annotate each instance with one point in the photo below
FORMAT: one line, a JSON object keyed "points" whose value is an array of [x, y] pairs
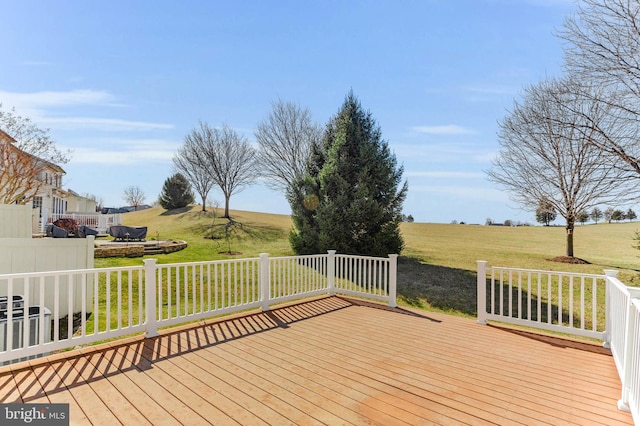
{"points": [[18, 255], [123, 301], [98, 221], [554, 301], [623, 332], [15, 221], [597, 306]]}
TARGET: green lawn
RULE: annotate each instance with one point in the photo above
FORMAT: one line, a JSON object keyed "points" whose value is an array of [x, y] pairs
{"points": [[437, 268]]}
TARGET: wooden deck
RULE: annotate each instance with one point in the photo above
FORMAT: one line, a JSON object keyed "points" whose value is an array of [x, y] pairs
{"points": [[329, 361]]}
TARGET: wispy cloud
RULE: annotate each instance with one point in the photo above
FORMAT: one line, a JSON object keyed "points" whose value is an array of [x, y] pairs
{"points": [[125, 152], [491, 90], [446, 175], [35, 63], [47, 108], [102, 124], [450, 129], [466, 192], [428, 152], [51, 98]]}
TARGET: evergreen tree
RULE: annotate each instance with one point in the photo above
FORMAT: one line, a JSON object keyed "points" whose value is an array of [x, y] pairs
{"points": [[596, 214], [617, 215], [351, 198], [176, 193], [545, 213], [582, 217], [630, 214]]}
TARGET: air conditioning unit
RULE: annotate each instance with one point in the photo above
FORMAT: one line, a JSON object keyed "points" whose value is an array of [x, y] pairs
{"points": [[18, 321], [18, 302]]}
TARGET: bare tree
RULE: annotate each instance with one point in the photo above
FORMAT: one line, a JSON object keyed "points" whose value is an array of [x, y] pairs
{"points": [[603, 40], [285, 138], [602, 48], [227, 156], [26, 152], [553, 159], [188, 161], [608, 214], [134, 196]]}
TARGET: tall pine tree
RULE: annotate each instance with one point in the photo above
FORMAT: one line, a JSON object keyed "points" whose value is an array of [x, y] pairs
{"points": [[351, 199], [176, 193]]}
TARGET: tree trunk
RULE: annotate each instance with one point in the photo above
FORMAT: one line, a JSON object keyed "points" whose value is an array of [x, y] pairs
{"points": [[226, 206], [570, 239], [204, 203]]}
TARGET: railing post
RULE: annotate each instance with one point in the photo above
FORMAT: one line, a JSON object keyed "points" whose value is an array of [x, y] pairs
{"points": [[91, 247], [44, 220], [150, 297], [482, 292], [630, 331], [393, 279], [102, 224], [612, 273], [264, 280], [331, 272]]}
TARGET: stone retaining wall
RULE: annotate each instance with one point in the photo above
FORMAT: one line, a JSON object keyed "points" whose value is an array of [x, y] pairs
{"points": [[119, 251]]}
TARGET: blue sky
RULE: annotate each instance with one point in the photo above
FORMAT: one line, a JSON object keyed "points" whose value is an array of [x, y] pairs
{"points": [[121, 83]]}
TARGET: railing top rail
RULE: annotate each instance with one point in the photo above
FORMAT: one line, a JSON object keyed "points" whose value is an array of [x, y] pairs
{"points": [[356, 256], [68, 272], [303, 256], [619, 285], [207, 262], [542, 271]]}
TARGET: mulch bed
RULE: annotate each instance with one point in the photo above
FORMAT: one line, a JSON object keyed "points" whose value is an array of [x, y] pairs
{"points": [[569, 259]]}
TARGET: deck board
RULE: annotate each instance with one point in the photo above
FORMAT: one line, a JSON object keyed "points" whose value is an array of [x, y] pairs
{"points": [[329, 361]]}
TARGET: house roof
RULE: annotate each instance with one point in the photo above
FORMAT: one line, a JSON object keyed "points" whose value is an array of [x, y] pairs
{"points": [[48, 164], [7, 136]]}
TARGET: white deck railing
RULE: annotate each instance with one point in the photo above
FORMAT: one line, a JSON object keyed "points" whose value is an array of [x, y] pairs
{"points": [[623, 325], [597, 306], [98, 221], [140, 299], [554, 301]]}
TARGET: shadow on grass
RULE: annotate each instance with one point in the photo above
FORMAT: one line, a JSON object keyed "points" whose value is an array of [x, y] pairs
{"points": [[223, 228], [424, 286], [177, 211]]}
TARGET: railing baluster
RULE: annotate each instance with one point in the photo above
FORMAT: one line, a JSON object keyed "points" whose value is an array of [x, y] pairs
{"points": [[169, 294]]}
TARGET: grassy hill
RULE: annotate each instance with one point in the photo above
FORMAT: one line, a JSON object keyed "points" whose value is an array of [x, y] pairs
{"points": [[437, 269]]}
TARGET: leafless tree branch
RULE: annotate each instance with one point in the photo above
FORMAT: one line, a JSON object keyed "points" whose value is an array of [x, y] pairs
{"points": [[285, 138], [550, 152]]}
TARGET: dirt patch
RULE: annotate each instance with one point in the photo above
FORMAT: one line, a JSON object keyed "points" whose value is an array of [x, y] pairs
{"points": [[569, 259], [230, 253]]}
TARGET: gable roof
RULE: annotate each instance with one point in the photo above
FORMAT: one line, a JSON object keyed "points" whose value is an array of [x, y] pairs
{"points": [[48, 164]]}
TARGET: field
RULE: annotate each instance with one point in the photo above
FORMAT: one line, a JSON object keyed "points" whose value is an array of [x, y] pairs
{"points": [[437, 268]]}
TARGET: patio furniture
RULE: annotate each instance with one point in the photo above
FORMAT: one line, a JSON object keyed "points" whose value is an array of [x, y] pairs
{"points": [[56, 232], [128, 233], [85, 231]]}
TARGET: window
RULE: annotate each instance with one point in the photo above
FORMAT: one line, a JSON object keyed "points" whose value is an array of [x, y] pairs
{"points": [[37, 204]]}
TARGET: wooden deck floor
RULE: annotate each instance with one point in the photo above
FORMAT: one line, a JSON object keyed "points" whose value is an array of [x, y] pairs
{"points": [[329, 361]]}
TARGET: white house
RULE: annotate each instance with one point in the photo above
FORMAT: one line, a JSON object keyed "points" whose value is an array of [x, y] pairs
{"points": [[27, 177]]}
